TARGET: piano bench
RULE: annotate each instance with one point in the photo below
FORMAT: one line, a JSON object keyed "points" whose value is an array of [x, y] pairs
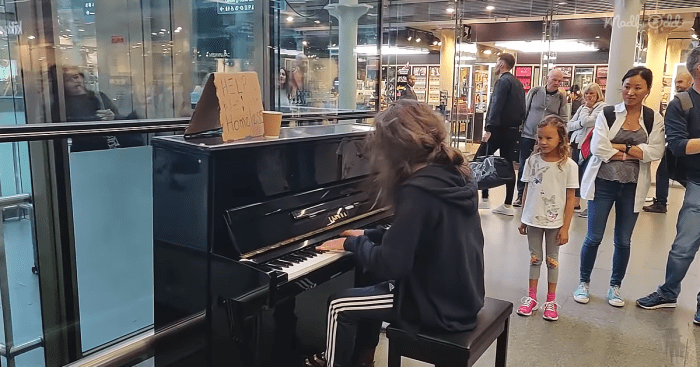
{"points": [[456, 349]]}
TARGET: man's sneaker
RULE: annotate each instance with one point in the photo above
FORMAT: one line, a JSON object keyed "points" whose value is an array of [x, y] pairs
{"points": [[528, 306], [484, 204], [550, 311], [656, 207], [582, 294], [504, 210], [654, 301], [583, 213], [614, 296], [518, 202], [696, 319]]}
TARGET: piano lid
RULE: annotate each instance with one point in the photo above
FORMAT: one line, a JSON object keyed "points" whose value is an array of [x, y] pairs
{"points": [[287, 135]]}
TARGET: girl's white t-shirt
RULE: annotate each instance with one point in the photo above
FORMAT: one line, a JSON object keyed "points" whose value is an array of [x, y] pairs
{"points": [[546, 191]]}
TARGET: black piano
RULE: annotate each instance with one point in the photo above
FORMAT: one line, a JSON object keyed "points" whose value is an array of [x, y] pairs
{"points": [[235, 230]]}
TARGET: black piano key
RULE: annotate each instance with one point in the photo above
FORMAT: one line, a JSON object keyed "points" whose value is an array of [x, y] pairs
{"points": [[280, 263], [274, 266], [297, 257], [291, 259], [285, 262], [309, 252], [302, 254]]}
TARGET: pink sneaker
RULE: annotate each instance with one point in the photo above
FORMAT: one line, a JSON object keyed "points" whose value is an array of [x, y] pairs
{"points": [[528, 306], [550, 311]]}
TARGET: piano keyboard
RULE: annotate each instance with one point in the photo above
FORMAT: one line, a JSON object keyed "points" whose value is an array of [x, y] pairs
{"points": [[304, 261]]}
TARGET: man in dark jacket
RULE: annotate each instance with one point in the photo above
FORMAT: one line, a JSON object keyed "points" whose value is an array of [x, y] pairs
{"points": [[408, 91], [434, 253], [505, 114], [683, 138]]}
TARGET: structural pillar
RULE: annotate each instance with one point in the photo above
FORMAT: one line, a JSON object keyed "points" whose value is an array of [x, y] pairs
{"points": [[347, 12], [622, 46], [447, 64], [656, 60]]}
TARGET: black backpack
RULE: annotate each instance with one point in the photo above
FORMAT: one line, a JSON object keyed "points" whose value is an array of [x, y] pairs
{"points": [[648, 113]]}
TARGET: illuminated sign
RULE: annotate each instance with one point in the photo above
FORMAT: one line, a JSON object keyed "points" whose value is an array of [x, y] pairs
{"points": [[235, 6]]}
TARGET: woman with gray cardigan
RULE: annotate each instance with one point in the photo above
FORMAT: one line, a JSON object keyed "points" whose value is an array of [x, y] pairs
{"points": [[581, 123]]}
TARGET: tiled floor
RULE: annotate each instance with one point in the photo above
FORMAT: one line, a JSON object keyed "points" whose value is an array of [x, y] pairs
{"points": [[594, 334]]}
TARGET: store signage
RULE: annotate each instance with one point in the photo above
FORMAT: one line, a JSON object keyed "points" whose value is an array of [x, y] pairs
{"points": [[11, 29], [235, 6], [231, 101], [218, 55], [89, 12]]}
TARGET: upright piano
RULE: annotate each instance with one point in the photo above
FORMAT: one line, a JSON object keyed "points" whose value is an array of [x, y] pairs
{"points": [[235, 230]]}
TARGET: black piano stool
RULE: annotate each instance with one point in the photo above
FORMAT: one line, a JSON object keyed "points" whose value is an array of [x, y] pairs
{"points": [[456, 349]]}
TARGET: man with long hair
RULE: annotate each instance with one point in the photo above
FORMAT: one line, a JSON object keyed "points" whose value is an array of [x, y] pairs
{"points": [[430, 262]]}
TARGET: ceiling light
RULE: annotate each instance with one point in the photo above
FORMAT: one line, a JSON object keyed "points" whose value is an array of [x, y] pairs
{"points": [[541, 46], [290, 19], [317, 21], [305, 43], [562, 3], [597, 37], [450, 10], [418, 39], [410, 38], [31, 37], [440, 43], [387, 50], [488, 52], [435, 43], [490, 7]]}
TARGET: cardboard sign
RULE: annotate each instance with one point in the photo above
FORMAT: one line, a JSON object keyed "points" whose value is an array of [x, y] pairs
{"points": [[231, 101]]}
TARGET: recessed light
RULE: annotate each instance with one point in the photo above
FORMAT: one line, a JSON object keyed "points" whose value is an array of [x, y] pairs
{"points": [[597, 37], [290, 19], [490, 7], [488, 52]]}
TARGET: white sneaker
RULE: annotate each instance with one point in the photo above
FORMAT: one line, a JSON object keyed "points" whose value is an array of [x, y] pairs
{"points": [[484, 204], [504, 210]]}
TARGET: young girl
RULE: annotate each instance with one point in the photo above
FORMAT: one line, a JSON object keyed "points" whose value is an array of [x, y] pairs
{"points": [[551, 178]]}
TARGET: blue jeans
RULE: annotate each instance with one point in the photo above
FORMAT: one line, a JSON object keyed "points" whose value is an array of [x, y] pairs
{"points": [[608, 193], [686, 244]]}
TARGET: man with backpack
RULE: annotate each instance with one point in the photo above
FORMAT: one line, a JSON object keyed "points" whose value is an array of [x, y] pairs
{"points": [[541, 102], [683, 138]]}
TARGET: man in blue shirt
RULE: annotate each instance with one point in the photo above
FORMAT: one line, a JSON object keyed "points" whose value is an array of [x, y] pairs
{"points": [[683, 137]]}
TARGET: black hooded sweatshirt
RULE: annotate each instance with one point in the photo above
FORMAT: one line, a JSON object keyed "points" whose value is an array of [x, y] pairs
{"points": [[433, 250]]}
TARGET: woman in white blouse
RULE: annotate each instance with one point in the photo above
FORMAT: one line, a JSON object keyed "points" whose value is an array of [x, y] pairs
{"points": [[618, 173], [580, 125]]}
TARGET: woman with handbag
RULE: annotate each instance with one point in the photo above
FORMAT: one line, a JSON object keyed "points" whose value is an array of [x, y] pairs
{"points": [[580, 125], [627, 137]]}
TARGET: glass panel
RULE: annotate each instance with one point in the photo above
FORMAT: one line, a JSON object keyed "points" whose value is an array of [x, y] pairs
{"points": [[113, 223], [17, 220], [314, 43]]}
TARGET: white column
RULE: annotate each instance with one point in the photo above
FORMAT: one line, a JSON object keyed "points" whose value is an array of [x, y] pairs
{"points": [[622, 46], [347, 12]]}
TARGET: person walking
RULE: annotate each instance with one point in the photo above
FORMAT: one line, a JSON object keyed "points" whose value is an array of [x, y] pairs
{"points": [[505, 114]]}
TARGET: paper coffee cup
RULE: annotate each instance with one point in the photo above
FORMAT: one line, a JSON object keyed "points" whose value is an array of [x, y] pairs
{"points": [[273, 122]]}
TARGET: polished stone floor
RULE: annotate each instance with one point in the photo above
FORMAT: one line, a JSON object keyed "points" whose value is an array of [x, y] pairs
{"points": [[594, 334]]}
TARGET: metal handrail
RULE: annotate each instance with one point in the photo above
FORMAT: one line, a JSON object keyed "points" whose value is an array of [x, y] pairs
{"points": [[34, 132], [6, 201], [139, 346]]}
